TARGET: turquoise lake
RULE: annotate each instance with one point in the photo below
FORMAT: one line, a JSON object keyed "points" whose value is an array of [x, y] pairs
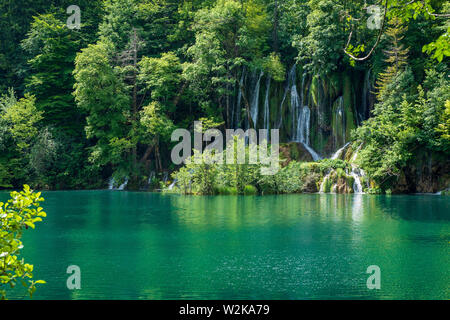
{"points": [[136, 245]]}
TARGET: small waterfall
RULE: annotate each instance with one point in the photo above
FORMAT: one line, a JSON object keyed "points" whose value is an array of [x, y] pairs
{"points": [[338, 153], [324, 181], [286, 89], [172, 185], [111, 183], [314, 154], [295, 101], [302, 134], [266, 105], [255, 100], [365, 97], [355, 155], [238, 109], [339, 121], [356, 174], [123, 185], [151, 176], [333, 188], [303, 114]]}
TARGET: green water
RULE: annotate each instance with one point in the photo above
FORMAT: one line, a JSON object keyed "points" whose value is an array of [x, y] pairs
{"points": [[132, 245]]}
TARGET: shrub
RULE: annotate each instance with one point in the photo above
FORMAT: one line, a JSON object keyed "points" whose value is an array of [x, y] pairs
{"points": [[21, 211], [250, 190]]}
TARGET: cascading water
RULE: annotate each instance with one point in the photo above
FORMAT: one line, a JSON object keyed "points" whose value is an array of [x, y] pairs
{"points": [[365, 97], [286, 89], [111, 184], [238, 107], [302, 134], [338, 153], [123, 185], [295, 101], [151, 176], [301, 114], [266, 105], [172, 185], [339, 128], [356, 174], [324, 182], [255, 100], [311, 151]]}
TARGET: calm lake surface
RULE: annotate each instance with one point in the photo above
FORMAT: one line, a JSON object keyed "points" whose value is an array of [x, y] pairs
{"points": [[134, 245]]}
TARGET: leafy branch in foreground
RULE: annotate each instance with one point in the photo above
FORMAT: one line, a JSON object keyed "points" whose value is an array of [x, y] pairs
{"points": [[21, 211]]}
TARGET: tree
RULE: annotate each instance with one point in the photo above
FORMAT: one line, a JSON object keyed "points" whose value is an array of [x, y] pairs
{"points": [[320, 50], [52, 47], [396, 55], [228, 36], [21, 212], [18, 124], [102, 95], [404, 11]]}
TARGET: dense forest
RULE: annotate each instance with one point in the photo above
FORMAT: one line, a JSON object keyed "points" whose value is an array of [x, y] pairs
{"points": [[359, 91]]}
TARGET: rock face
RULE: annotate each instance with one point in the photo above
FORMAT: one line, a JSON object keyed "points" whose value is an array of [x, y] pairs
{"points": [[429, 173], [294, 151]]}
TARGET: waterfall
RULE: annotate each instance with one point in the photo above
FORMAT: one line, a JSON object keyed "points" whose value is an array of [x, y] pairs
{"points": [[295, 102], [172, 184], [111, 184], [151, 177], [365, 97], [356, 174], [333, 188], [356, 153], [286, 89], [302, 134], [237, 113], [324, 181], [338, 153], [266, 105], [302, 114], [123, 185], [255, 100], [314, 154], [339, 120], [303, 117]]}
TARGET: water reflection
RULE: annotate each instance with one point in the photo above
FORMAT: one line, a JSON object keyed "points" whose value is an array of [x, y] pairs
{"points": [[132, 245]]}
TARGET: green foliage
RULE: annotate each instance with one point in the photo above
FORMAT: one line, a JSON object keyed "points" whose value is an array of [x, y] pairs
{"points": [[21, 211], [18, 123], [99, 92], [273, 66], [52, 47], [103, 100], [227, 36], [321, 48], [162, 76], [396, 55], [250, 190], [403, 123]]}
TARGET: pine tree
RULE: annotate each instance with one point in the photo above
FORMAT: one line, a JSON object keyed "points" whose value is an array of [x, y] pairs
{"points": [[396, 55]]}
